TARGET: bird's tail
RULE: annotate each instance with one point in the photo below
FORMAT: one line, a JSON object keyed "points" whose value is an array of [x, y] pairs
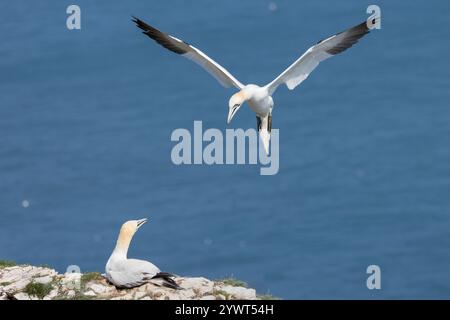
{"points": [[264, 125], [167, 280]]}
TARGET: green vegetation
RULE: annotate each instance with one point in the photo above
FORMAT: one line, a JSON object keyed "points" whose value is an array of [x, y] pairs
{"points": [[223, 293], [7, 263], [267, 296], [233, 282], [90, 276], [39, 290], [4, 284]]}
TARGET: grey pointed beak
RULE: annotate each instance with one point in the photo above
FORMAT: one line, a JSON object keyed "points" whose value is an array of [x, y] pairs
{"points": [[141, 222], [232, 112]]}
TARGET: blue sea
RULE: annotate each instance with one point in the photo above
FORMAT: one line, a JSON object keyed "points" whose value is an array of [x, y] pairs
{"points": [[86, 118]]}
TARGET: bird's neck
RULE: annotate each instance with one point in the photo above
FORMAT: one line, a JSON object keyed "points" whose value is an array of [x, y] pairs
{"points": [[122, 245]]}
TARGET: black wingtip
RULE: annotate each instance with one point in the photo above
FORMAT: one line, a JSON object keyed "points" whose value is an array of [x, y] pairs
{"points": [[165, 40], [140, 24], [167, 280], [170, 283]]}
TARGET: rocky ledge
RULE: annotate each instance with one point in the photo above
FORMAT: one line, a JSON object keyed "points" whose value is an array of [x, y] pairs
{"points": [[42, 283]]}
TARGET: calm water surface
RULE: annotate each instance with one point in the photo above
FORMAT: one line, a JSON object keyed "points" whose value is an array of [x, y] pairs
{"points": [[86, 118]]}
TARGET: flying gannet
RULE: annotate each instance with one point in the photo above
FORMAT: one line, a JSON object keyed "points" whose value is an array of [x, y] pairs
{"points": [[260, 98], [129, 273]]}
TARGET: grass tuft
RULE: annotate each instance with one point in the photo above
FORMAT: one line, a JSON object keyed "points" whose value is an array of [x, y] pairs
{"points": [[223, 293], [90, 276], [7, 263], [39, 290], [267, 296], [233, 282]]}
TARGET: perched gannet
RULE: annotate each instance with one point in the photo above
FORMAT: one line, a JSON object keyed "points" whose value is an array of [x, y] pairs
{"points": [[260, 98], [129, 273]]}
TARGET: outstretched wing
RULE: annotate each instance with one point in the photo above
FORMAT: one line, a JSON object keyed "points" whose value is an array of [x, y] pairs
{"points": [[186, 50], [300, 69]]}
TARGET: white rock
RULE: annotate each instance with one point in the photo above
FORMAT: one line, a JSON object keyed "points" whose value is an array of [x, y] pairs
{"points": [[139, 295], [43, 280], [51, 295], [148, 287], [22, 296], [172, 296], [17, 286], [128, 296], [240, 293], [90, 293], [69, 284], [190, 283], [186, 293], [205, 288], [72, 281], [71, 293], [42, 272], [98, 288], [71, 276], [12, 276], [157, 293], [142, 288]]}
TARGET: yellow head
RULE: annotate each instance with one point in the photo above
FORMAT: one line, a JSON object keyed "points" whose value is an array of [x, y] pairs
{"points": [[236, 101], [127, 232]]}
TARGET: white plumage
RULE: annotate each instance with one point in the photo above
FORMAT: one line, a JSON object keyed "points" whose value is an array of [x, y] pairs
{"points": [[260, 98], [129, 273]]}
